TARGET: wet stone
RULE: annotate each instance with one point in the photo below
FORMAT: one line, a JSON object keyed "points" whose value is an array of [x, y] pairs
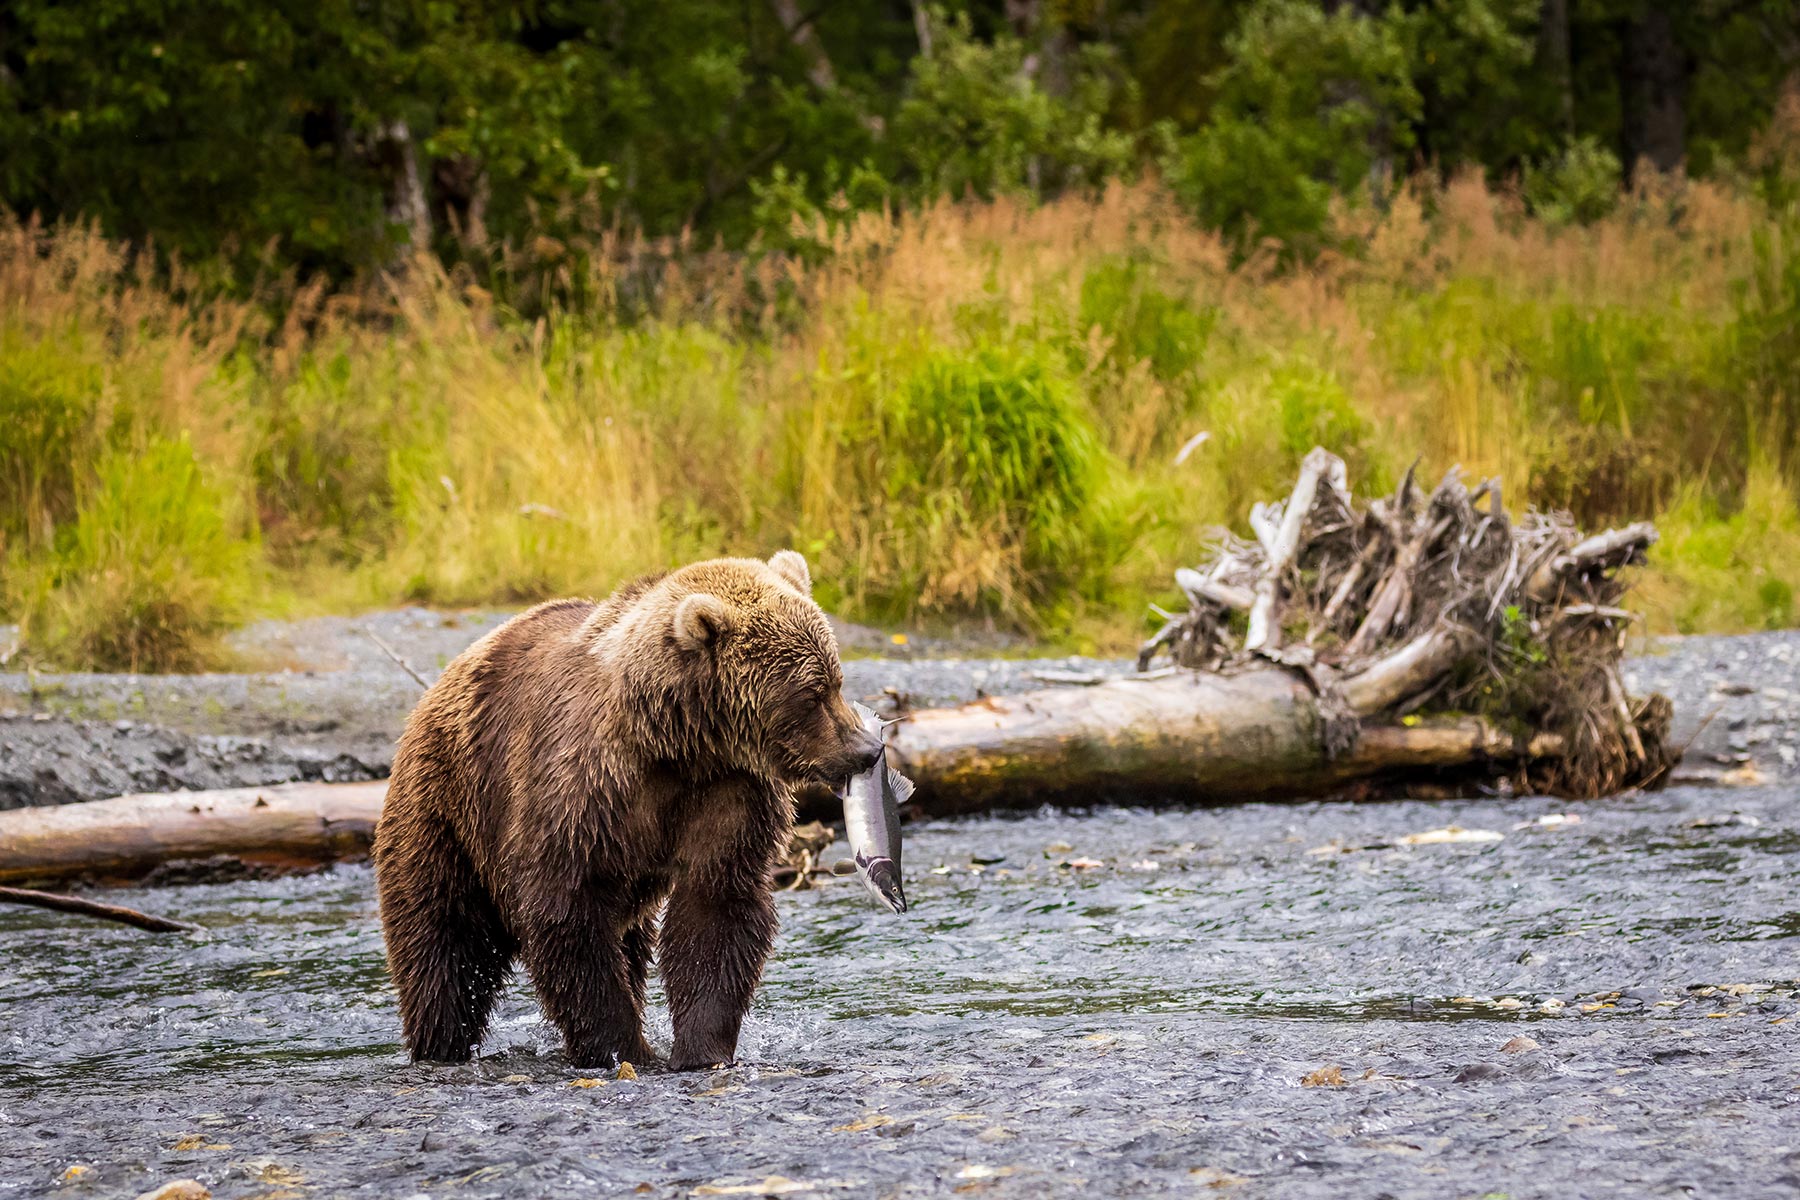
{"points": [[1480, 1073]]}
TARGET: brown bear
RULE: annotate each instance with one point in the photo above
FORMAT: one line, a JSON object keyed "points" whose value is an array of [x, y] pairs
{"points": [[584, 763]]}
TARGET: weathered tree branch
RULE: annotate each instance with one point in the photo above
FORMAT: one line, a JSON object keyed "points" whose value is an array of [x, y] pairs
{"points": [[92, 908], [1406, 672], [1281, 542], [1604, 551]]}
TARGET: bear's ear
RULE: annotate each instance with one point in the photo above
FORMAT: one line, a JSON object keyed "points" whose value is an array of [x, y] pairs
{"points": [[700, 621], [791, 566]]}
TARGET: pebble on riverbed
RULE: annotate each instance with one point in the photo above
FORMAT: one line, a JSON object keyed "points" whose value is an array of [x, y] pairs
{"points": [[179, 1189]]}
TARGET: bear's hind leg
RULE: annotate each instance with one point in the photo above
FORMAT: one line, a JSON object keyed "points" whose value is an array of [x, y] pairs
{"points": [[448, 948], [640, 947], [586, 981]]}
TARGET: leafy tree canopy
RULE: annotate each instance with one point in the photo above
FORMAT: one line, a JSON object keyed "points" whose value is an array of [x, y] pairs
{"points": [[338, 131]]}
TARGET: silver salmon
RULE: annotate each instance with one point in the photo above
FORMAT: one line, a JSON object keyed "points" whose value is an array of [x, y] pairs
{"points": [[872, 803]]}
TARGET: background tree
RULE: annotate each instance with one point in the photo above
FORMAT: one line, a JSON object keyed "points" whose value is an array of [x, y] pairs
{"points": [[344, 131]]}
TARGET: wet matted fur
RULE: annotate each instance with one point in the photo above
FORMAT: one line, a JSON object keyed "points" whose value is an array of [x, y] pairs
{"points": [[585, 765]]}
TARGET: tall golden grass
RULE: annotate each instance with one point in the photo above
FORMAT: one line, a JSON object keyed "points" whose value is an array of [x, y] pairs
{"points": [[971, 410]]}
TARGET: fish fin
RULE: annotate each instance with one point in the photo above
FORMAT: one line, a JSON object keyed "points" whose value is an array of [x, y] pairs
{"points": [[903, 787]]}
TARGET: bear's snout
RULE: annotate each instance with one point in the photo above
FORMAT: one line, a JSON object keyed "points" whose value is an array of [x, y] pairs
{"points": [[856, 751]]}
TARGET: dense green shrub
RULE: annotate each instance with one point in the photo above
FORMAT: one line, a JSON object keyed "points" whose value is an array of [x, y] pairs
{"points": [[974, 121], [1579, 185], [1143, 322], [148, 573], [1283, 139], [519, 139]]}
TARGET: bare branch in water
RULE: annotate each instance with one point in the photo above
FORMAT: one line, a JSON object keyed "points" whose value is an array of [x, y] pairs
{"points": [[92, 908]]}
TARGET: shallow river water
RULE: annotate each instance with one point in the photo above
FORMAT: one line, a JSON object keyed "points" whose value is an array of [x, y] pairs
{"points": [[1219, 1005]]}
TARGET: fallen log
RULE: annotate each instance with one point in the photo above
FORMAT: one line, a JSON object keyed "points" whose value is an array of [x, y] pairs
{"points": [[1179, 739], [1188, 738], [294, 826]]}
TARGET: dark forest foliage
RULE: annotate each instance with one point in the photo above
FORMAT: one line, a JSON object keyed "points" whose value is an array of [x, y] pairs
{"points": [[338, 131]]}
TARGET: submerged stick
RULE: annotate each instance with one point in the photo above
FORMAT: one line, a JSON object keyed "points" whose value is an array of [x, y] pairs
{"points": [[93, 908]]}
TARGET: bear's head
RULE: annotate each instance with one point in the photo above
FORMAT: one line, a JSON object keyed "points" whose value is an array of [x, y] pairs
{"points": [[761, 688]]}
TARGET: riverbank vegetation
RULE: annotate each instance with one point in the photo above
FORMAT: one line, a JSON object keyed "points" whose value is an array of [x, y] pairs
{"points": [[1013, 312], [986, 410]]}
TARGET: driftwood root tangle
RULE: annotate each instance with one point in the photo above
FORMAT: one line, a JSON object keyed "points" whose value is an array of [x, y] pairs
{"points": [[1437, 601]]}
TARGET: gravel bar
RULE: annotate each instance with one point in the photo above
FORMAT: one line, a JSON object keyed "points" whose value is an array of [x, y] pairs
{"points": [[330, 703]]}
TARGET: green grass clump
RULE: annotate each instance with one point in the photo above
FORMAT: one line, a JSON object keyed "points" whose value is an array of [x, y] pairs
{"points": [[1264, 418], [47, 434], [1142, 322], [446, 463], [146, 576], [1717, 570], [972, 473], [1762, 343], [329, 437]]}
